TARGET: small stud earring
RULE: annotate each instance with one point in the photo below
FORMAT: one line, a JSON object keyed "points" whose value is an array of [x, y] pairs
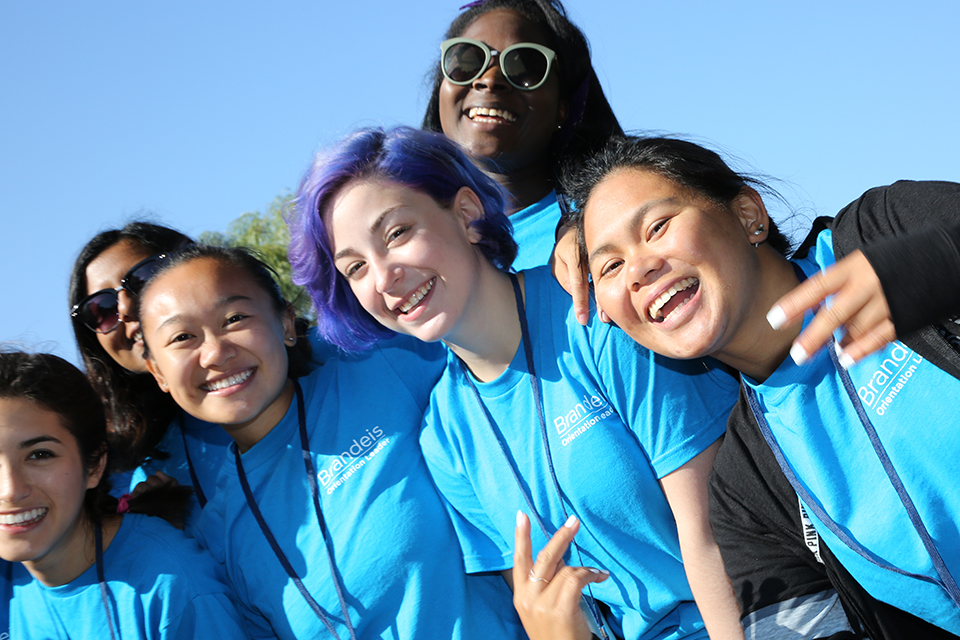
{"points": [[759, 230]]}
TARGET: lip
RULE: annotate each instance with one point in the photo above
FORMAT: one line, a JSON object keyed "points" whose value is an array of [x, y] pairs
{"points": [[235, 387], [131, 329], [504, 117], [675, 317], [415, 311], [19, 527], [498, 106]]}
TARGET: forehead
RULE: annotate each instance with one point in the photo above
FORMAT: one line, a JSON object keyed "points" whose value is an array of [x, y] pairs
{"points": [[361, 202], [22, 419], [502, 27], [194, 287], [624, 190], [106, 269]]}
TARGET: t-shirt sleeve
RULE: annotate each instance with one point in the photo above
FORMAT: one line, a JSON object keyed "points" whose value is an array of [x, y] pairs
{"points": [[207, 616], [483, 548], [675, 408], [417, 364]]}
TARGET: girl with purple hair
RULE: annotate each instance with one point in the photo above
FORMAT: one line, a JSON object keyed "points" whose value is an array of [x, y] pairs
{"points": [[534, 415]]}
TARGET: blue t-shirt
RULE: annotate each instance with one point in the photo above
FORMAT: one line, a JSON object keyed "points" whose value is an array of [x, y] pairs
{"points": [[394, 548], [208, 449], [534, 229], [162, 585], [912, 405], [618, 419]]}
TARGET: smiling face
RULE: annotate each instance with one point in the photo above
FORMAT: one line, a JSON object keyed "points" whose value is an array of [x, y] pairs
{"points": [[217, 345], [42, 487], [491, 118], [410, 262], [672, 269], [124, 344]]}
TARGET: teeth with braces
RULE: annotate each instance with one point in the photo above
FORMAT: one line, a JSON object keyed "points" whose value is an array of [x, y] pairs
{"points": [[227, 382], [23, 516], [503, 114], [665, 297], [417, 296]]}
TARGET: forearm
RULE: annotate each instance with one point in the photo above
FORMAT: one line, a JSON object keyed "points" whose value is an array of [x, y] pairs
{"points": [[711, 588], [686, 491]]}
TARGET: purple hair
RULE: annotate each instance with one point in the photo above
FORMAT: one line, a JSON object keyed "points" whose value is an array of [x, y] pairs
{"points": [[427, 162]]}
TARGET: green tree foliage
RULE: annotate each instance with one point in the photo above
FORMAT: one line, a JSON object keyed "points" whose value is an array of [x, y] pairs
{"points": [[267, 235]]}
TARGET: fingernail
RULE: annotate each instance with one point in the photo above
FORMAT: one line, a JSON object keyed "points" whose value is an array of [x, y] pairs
{"points": [[776, 317], [519, 518], [583, 318], [798, 353], [602, 572], [846, 361], [571, 522]]}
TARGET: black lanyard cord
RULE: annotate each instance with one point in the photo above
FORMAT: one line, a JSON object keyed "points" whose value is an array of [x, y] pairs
{"points": [[946, 581], [197, 489], [101, 580], [315, 493], [538, 401]]}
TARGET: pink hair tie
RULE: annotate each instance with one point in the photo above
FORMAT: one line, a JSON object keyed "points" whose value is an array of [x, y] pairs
{"points": [[123, 505]]}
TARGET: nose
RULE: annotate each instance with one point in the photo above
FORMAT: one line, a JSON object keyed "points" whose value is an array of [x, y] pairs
{"points": [[642, 270], [492, 79], [385, 274], [125, 306], [216, 351], [13, 484]]}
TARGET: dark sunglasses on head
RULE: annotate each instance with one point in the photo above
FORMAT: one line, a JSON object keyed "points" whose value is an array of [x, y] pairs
{"points": [[100, 311], [525, 65]]}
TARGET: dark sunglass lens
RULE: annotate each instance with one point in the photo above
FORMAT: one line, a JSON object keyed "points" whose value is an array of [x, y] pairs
{"points": [[463, 62], [100, 313], [524, 67], [137, 277]]}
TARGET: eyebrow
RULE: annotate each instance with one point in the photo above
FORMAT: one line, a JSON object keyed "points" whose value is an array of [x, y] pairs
{"points": [[220, 303], [373, 229], [637, 218], [26, 444]]}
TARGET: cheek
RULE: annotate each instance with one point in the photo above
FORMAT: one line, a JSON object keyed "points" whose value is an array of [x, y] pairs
{"points": [[364, 294], [448, 106]]}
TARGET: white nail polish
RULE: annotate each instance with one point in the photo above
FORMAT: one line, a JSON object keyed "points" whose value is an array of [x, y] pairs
{"points": [[519, 518], [846, 361], [776, 317], [798, 353], [571, 522]]}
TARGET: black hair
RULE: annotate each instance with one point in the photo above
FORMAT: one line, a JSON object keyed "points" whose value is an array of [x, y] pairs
{"points": [[590, 119], [689, 165], [137, 411], [300, 355], [55, 385]]}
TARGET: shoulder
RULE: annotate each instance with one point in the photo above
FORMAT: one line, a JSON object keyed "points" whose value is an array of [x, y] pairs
{"points": [[159, 557]]}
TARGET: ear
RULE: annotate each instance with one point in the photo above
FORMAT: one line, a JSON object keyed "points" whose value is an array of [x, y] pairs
{"points": [[155, 371], [749, 208], [563, 109], [288, 320], [468, 209], [93, 479]]}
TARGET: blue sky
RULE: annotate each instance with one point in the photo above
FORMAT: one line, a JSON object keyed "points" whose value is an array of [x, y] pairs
{"points": [[191, 113]]}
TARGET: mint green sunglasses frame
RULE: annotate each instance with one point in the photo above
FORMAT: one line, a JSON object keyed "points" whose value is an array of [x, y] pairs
{"points": [[549, 54]]}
